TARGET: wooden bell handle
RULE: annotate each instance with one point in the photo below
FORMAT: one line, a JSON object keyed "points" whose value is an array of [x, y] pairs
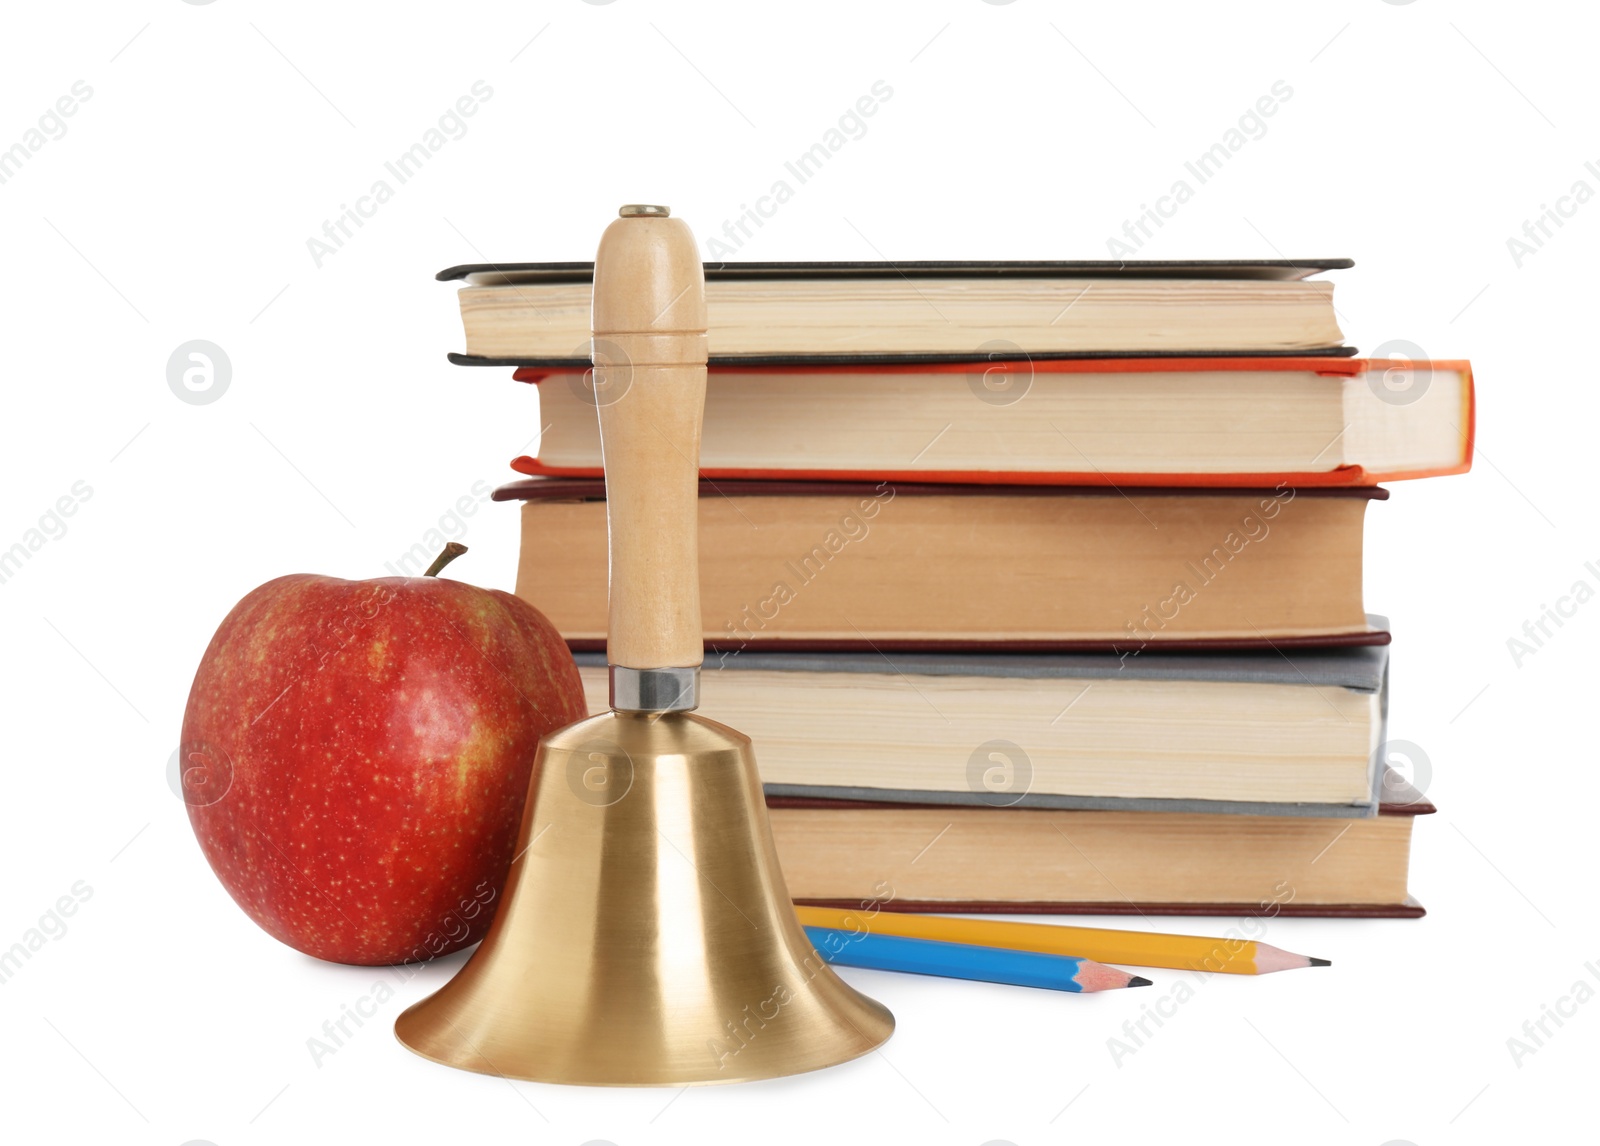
{"points": [[649, 355]]}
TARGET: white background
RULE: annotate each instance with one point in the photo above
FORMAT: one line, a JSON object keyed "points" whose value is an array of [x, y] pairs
{"points": [[219, 137]]}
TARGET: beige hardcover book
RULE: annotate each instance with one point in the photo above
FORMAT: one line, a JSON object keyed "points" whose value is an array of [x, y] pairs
{"points": [[917, 566], [543, 319], [958, 858]]}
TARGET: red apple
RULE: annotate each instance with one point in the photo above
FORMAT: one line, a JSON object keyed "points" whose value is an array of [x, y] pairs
{"points": [[356, 755]]}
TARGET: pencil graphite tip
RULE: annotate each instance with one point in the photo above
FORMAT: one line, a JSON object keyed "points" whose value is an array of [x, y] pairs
{"points": [[1315, 962], [1140, 981]]}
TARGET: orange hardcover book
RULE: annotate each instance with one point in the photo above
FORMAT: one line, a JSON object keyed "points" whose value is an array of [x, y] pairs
{"points": [[1204, 421]]}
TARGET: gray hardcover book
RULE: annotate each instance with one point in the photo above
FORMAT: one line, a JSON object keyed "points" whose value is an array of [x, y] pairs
{"points": [[1358, 668]]}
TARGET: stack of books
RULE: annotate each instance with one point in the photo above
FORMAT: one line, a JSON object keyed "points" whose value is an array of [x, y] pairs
{"points": [[1069, 553]]}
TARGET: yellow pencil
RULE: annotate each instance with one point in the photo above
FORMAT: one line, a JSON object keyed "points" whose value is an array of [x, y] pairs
{"points": [[1138, 948]]}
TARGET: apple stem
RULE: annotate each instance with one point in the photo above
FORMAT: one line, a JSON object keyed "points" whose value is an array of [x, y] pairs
{"points": [[449, 553]]}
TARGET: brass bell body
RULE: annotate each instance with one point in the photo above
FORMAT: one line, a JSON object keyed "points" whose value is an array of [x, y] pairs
{"points": [[645, 936]]}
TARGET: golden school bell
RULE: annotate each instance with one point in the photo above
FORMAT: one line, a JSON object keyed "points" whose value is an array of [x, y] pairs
{"points": [[645, 936]]}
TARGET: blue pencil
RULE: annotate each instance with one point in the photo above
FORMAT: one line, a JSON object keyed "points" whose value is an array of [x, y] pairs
{"points": [[967, 961]]}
